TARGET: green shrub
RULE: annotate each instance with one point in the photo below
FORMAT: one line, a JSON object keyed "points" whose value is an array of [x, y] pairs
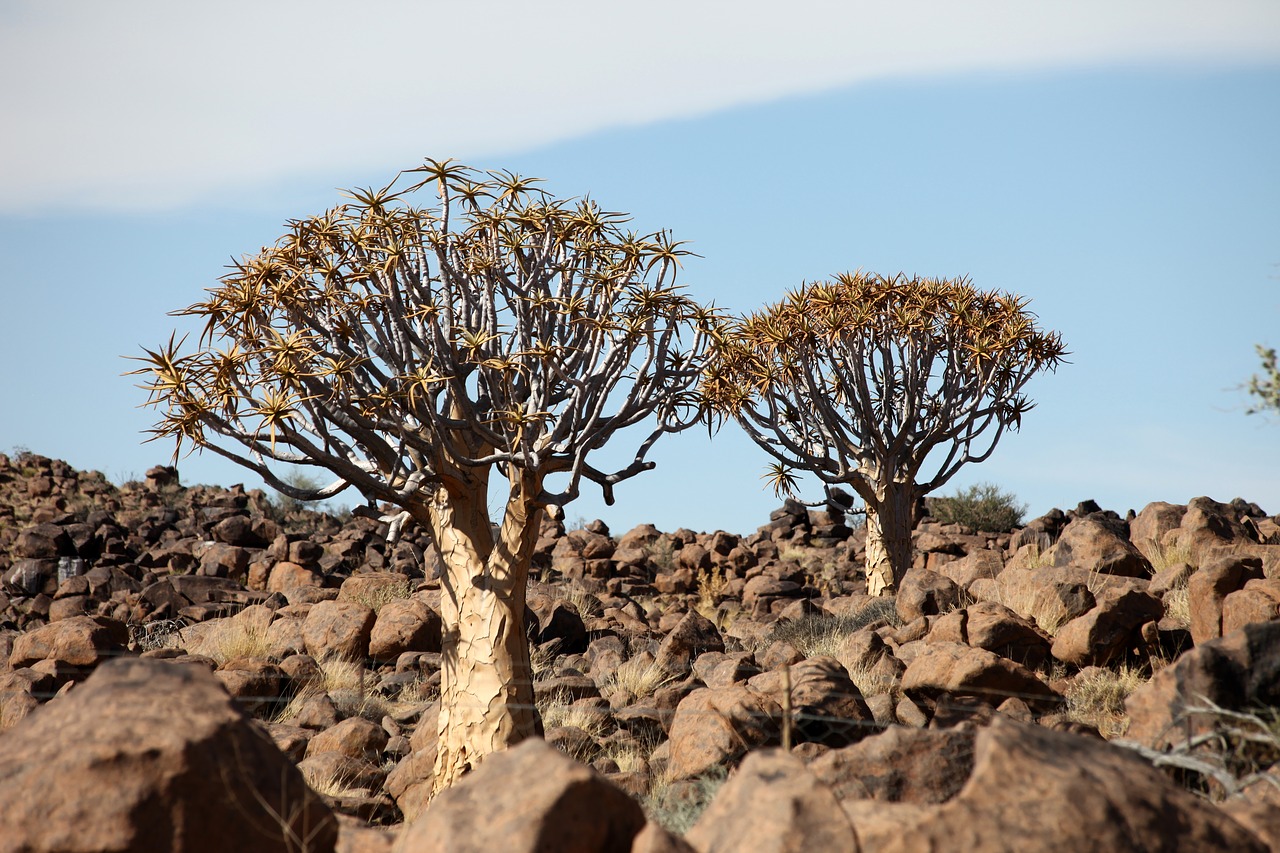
{"points": [[980, 507]]}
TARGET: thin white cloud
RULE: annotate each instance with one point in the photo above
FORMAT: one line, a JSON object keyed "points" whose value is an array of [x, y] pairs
{"points": [[150, 103]]}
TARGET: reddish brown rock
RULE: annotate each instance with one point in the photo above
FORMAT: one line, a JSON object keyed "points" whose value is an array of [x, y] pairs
{"points": [[356, 737], [826, 706], [81, 641], [692, 635], [1209, 587], [285, 576], [773, 803], [404, 625], [107, 768], [959, 670], [901, 765], [1147, 531], [1211, 529], [996, 628], [1033, 790], [926, 593], [1098, 542], [338, 629], [1108, 630], [715, 727], [557, 804], [1236, 672], [1258, 601]]}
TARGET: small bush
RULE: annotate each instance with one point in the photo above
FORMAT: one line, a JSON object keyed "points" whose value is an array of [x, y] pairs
{"points": [[980, 507]]}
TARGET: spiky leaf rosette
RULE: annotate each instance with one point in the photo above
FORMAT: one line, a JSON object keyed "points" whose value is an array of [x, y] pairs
{"points": [[859, 379], [392, 343]]}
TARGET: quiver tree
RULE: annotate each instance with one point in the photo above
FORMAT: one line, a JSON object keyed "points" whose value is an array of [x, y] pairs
{"points": [[863, 380], [412, 352]]}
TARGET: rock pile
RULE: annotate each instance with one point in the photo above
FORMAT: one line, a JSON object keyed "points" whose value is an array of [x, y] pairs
{"points": [[211, 646]]}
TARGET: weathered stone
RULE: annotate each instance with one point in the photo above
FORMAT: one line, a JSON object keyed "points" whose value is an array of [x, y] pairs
{"points": [[1033, 790], [907, 765], [404, 625], [1147, 531], [338, 629], [557, 805], [773, 803], [715, 727], [926, 593], [81, 641], [958, 670], [826, 706], [356, 737], [1108, 630], [1209, 587], [106, 768], [692, 635], [1099, 543], [1236, 672]]}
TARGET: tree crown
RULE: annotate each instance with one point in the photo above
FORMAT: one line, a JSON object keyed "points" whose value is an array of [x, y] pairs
{"points": [[859, 378], [397, 345]]}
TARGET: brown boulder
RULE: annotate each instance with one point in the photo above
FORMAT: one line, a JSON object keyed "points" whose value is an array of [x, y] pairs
{"points": [[1147, 530], [1210, 529], [826, 706], [81, 641], [1034, 790], [404, 625], [355, 737], [773, 803], [1098, 542], [1258, 601], [530, 798], [1209, 587], [959, 670], [900, 765], [925, 593], [996, 628], [338, 629], [714, 727], [1236, 672], [1106, 631], [692, 635], [107, 768]]}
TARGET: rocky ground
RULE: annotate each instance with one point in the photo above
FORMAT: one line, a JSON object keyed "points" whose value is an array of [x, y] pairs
{"points": [[209, 669]]}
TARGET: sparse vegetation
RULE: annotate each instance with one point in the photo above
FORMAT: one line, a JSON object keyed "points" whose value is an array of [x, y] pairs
{"points": [[1097, 697], [377, 596], [980, 507], [817, 634], [1170, 554], [638, 676], [677, 806]]}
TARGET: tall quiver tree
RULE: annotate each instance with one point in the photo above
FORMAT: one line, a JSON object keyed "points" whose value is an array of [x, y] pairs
{"points": [[864, 380], [415, 352]]}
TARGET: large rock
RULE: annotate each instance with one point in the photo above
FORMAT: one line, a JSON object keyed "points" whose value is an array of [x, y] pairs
{"points": [[338, 629], [148, 755], [692, 635], [773, 803], [1211, 529], [714, 727], [529, 799], [1106, 631], [925, 593], [958, 670], [994, 627], [404, 625], [826, 706], [81, 641], [1209, 587], [900, 765], [1236, 672], [1034, 790], [1147, 530], [1098, 542]]}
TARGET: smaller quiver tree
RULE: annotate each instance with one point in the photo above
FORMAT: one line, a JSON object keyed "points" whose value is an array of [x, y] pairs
{"points": [[414, 352], [863, 380]]}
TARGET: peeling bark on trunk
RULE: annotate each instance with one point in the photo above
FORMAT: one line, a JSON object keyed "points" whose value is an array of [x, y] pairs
{"points": [[486, 680], [889, 520]]}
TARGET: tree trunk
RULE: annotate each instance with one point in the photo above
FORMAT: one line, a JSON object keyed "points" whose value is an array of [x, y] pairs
{"points": [[486, 680], [889, 520]]}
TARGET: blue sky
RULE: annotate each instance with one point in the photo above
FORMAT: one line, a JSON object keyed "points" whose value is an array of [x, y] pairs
{"points": [[1118, 168]]}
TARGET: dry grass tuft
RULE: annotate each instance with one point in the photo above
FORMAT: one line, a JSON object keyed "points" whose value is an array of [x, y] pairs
{"points": [[1097, 699], [377, 597], [639, 676]]}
